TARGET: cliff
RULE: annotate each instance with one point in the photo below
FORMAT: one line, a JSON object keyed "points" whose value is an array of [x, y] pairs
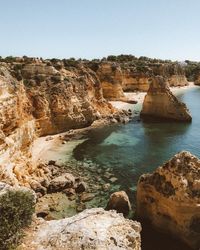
{"points": [[111, 78], [39, 97], [161, 103], [170, 198], [119, 74]]}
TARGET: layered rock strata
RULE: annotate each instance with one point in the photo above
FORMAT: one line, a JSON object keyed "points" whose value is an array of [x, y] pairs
{"points": [[161, 103], [38, 98], [128, 73], [170, 198], [92, 229]]}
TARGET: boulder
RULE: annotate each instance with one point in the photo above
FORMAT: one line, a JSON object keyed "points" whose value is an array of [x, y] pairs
{"points": [[170, 198], [91, 229], [61, 182], [161, 103], [87, 197], [119, 201], [81, 187]]}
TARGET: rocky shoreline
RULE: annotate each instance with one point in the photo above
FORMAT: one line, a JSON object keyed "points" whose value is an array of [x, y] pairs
{"points": [[47, 97]]}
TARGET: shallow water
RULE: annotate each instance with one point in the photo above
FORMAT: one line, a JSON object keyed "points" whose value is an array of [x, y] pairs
{"points": [[140, 147], [137, 147]]}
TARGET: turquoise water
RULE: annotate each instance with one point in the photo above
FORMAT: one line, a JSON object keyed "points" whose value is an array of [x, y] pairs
{"points": [[140, 147], [137, 147]]}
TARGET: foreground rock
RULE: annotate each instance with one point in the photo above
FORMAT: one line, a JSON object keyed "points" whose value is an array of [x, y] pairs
{"points": [[16, 209], [170, 198], [160, 102], [119, 201], [91, 229]]}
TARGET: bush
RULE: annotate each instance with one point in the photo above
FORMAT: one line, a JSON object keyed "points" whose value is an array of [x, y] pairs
{"points": [[16, 209]]}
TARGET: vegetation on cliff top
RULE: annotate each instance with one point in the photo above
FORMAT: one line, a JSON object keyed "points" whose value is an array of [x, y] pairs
{"points": [[139, 65]]}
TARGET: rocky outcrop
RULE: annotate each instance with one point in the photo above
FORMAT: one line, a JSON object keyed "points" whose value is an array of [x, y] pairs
{"points": [[119, 201], [160, 102], [135, 81], [127, 74], [91, 229], [177, 80], [197, 80], [16, 209], [170, 198], [111, 78], [39, 97]]}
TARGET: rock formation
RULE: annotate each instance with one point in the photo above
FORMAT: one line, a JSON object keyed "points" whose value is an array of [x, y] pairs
{"points": [[170, 198], [160, 102], [126, 73], [111, 78], [119, 201], [197, 80], [91, 229], [38, 98]]}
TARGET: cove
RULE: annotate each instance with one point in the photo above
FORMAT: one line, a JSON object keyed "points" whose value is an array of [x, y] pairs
{"points": [[139, 147]]}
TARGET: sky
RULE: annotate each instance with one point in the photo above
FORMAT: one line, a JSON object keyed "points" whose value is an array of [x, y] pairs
{"points": [[166, 29]]}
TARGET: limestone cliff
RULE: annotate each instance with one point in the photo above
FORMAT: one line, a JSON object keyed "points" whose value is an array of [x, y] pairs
{"points": [[127, 73], [170, 198], [197, 80], [111, 78], [40, 97], [160, 102]]}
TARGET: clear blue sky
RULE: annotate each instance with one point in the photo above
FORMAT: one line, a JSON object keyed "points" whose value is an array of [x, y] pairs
{"points": [[167, 29]]}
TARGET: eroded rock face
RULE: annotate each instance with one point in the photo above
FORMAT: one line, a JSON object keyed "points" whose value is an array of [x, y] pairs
{"points": [[160, 102], [119, 201], [111, 78], [39, 98], [197, 80], [177, 80], [170, 198], [92, 229], [128, 73]]}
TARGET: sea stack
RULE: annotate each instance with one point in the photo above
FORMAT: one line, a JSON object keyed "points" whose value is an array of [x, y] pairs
{"points": [[170, 198], [161, 103]]}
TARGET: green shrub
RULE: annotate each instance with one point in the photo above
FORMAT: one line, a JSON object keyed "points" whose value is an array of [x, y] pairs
{"points": [[16, 209]]}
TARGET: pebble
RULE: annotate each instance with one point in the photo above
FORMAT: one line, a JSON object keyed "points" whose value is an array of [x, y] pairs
{"points": [[80, 207], [87, 197], [113, 179], [106, 187], [108, 175]]}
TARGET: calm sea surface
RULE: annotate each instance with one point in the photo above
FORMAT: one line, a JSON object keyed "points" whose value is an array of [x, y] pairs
{"points": [[137, 147]]}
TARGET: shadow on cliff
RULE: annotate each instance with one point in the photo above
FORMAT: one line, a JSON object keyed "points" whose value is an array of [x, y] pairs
{"points": [[153, 239]]}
